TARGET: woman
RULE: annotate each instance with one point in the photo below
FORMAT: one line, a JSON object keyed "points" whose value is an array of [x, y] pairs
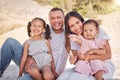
{"points": [[75, 21]]}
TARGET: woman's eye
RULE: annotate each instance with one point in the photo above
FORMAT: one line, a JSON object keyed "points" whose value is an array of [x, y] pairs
{"points": [[77, 22], [85, 30]]}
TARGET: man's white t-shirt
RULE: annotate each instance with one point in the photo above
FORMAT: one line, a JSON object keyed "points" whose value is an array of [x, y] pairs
{"points": [[58, 50]]}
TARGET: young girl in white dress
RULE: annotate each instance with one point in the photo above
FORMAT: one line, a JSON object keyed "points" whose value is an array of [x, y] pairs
{"points": [[37, 59]]}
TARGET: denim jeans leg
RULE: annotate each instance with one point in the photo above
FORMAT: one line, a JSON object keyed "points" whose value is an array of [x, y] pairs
{"points": [[10, 50], [25, 76]]}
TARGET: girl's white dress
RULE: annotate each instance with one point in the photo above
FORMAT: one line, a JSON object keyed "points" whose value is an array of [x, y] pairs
{"points": [[39, 51]]}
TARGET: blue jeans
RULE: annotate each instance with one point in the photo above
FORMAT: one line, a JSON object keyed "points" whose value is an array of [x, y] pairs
{"points": [[25, 76], [11, 50]]}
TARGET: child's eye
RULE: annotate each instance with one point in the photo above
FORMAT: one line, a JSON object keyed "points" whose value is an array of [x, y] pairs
{"points": [[91, 30], [34, 25]]}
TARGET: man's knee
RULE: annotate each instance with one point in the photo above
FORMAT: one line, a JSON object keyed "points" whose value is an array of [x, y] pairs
{"points": [[9, 41]]}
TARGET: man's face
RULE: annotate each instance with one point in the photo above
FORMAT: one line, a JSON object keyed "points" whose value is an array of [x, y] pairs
{"points": [[56, 19]]}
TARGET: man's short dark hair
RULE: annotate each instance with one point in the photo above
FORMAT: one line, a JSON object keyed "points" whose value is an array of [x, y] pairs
{"points": [[57, 9]]}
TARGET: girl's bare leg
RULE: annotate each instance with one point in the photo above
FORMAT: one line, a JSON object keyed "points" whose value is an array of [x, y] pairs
{"points": [[47, 73], [35, 73], [32, 68]]}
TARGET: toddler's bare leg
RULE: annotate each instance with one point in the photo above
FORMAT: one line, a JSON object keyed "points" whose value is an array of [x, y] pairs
{"points": [[98, 75]]}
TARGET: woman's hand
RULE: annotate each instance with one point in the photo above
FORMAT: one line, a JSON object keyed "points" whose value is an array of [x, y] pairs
{"points": [[91, 51], [73, 59], [75, 38]]}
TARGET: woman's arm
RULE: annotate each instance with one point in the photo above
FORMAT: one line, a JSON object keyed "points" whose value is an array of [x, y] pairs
{"points": [[24, 57], [105, 56], [73, 57], [96, 51]]}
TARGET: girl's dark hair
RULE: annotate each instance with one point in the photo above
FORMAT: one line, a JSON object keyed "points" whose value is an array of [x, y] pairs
{"points": [[47, 32], [67, 29], [94, 22], [46, 26], [68, 16], [28, 28]]}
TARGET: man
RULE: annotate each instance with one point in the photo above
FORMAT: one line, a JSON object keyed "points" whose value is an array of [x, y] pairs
{"points": [[12, 49]]}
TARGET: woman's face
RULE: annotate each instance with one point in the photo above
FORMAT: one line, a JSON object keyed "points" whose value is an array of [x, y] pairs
{"points": [[75, 25]]}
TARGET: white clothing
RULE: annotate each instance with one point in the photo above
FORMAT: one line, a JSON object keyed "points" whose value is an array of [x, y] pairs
{"points": [[102, 34], [38, 49], [59, 51], [70, 74]]}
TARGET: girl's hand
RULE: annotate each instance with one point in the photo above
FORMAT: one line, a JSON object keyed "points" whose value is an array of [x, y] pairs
{"points": [[18, 76], [55, 74], [73, 59]]}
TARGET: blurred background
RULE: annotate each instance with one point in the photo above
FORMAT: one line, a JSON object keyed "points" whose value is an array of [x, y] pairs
{"points": [[15, 14]]}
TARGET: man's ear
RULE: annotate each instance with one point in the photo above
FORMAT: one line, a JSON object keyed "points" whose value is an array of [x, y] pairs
{"points": [[97, 31]]}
